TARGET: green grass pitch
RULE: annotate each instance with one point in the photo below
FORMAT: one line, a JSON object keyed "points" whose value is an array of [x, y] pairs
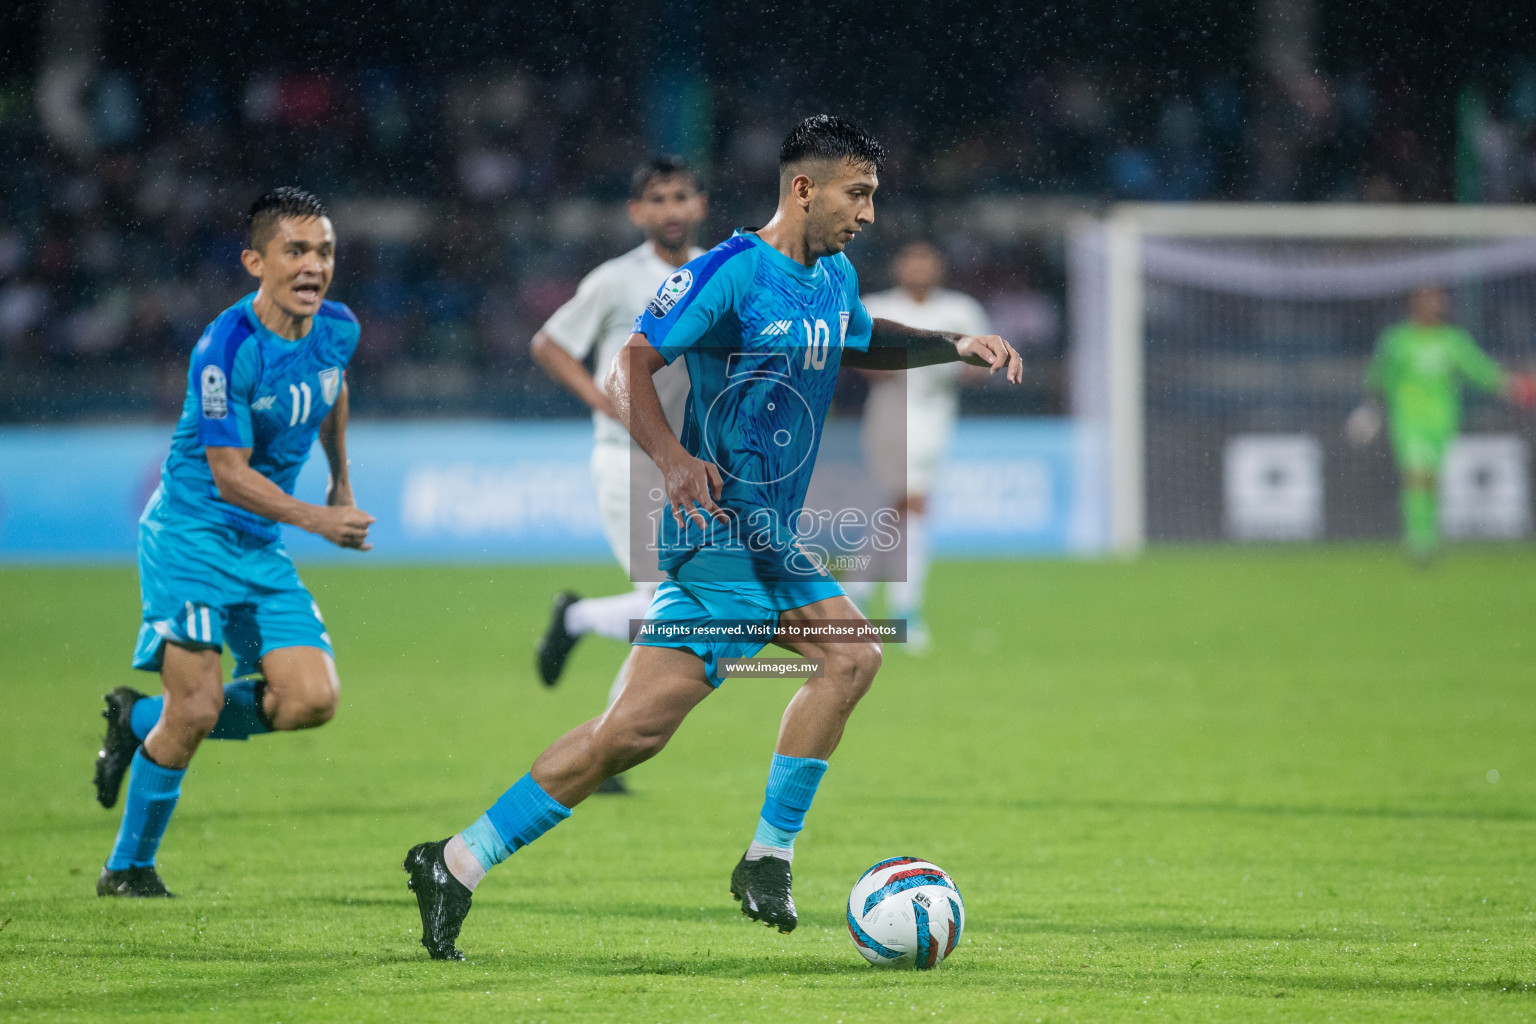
{"points": [[1208, 785]]}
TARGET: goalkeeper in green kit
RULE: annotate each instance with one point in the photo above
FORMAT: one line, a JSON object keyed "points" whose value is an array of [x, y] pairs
{"points": [[1418, 368]]}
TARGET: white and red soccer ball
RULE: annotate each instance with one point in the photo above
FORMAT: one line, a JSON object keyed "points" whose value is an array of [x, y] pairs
{"points": [[905, 912]]}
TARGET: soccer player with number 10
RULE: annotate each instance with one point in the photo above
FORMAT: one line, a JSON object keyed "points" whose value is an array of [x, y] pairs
{"points": [[764, 321]]}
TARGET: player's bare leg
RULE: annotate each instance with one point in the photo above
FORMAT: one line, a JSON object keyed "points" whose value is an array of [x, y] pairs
{"points": [[192, 682], [302, 687], [813, 722], [131, 718], [810, 731], [615, 785], [661, 687], [297, 690], [193, 698]]}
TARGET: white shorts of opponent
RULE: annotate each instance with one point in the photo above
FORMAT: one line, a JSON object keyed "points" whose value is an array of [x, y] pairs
{"points": [[627, 527], [930, 408]]}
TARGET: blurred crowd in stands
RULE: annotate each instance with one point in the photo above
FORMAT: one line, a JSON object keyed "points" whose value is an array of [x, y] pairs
{"points": [[469, 207]]}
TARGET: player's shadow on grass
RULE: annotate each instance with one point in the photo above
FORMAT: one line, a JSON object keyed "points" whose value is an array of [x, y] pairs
{"points": [[1277, 984], [292, 814], [515, 902], [713, 963], [1274, 810], [275, 976], [1128, 931]]}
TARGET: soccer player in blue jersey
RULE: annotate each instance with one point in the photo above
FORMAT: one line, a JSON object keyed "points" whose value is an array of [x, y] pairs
{"points": [[763, 320], [267, 378]]}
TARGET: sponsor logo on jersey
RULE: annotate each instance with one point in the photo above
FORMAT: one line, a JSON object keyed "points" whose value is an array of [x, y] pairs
{"points": [[776, 328], [330, 384], [672, 291], [215, 393], [263, 403]]}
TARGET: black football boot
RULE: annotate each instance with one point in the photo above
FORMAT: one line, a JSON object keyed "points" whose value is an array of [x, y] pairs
{"points": [[764, 889], [442, 899], [556, 644], [119, 746], [134, 882]]}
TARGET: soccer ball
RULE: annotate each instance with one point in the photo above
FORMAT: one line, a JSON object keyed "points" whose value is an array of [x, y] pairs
{"points": [[905, 912]]}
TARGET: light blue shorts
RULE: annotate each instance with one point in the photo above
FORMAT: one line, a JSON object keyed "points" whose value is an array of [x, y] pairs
{"points": [[703, 603], [205, 584]]}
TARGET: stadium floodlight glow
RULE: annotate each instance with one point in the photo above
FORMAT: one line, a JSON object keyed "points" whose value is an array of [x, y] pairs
{"points": [[1207, 273]]}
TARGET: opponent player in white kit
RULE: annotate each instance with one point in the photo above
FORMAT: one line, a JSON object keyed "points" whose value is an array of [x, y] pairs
{"points": [[932, 400], [668, 205]]}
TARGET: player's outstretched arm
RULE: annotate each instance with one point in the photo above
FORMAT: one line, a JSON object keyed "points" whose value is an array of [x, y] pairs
{"points": [[894, 346], [567, 371], [691, 483], [343, 525], [1477, 367], [333, 441], [1516, 387]]}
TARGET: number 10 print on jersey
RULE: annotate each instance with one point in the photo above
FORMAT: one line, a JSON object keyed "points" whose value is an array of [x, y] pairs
{"points": [[762, 336]]}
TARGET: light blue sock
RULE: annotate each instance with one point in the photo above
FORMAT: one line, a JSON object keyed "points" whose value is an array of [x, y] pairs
{"points": [[152, 795], [243, 715], [241, 718], [792, 783], [485, 842], [772, 836], [521, 815], [145, 713]]}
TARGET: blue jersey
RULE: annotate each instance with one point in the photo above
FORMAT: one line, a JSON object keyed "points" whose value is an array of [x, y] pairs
{"points": [[249, 388], [763, 337]]}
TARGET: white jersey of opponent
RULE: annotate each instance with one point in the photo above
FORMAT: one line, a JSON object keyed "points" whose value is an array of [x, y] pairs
{"points": [[932, 392], [602, 313], [942, 310]]}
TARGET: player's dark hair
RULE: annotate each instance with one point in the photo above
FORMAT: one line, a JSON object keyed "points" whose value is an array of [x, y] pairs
{"points": [[261, 221], [829, 137], [664, 165]]}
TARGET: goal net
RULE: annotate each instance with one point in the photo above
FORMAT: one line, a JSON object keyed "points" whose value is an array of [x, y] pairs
{"points": [[1218, 350]]}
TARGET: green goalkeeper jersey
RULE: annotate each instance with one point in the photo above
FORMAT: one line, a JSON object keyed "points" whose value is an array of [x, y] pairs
{"points": [[1419, 370]]}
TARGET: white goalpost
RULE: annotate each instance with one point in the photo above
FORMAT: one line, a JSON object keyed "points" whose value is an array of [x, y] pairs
{"points": [[1217, 349]]}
